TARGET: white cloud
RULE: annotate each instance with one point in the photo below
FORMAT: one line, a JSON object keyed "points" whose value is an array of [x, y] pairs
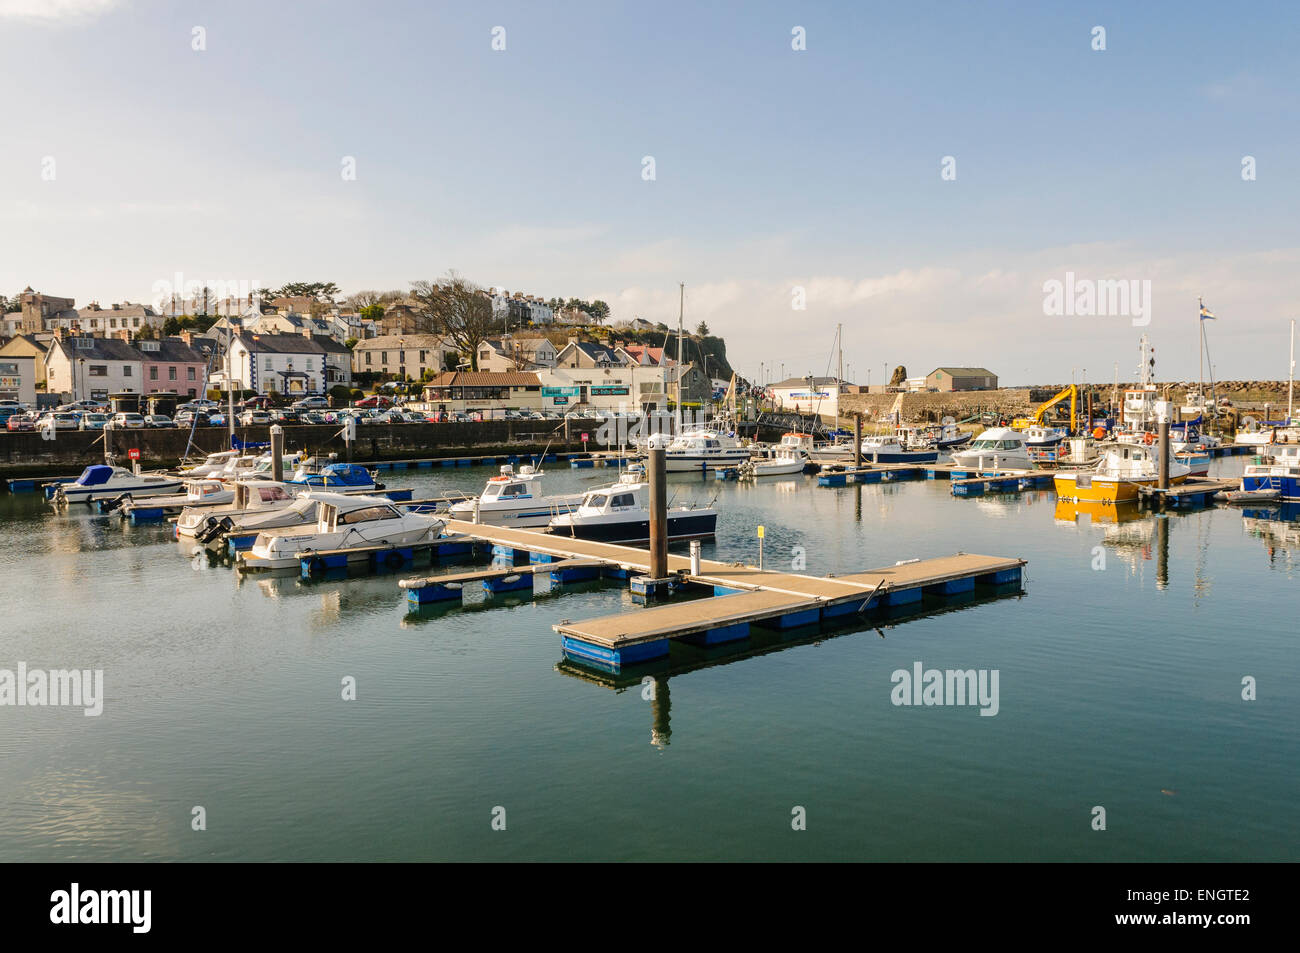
{"points": [[56, 11]]}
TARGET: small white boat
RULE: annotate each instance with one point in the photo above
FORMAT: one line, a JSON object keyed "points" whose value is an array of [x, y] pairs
{"points": [[888, 449], [212, 464], [784, 461], [999, 448], [514, 499], [102, 482], [620, 513], [346, 523]]}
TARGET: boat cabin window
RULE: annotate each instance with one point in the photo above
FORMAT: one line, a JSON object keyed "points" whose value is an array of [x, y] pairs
{"points": [[515, 489], [623, 499], [368, 514], [598, 500], [270, 493]]}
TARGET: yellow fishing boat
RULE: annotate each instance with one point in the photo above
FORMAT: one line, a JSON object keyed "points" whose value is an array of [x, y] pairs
{"points": [[1118, 476]]}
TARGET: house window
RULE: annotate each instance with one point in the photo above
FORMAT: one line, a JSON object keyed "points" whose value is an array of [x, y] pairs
{"points": [[269, 365], [171, 373], [153, 373], [135, 322], [369, 356], [126, 370], [189, 375], [422, 356], [309, 363], [385, 357], [98, 370]]}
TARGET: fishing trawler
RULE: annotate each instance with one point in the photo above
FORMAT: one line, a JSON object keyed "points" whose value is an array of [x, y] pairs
{"points": [[1118, 476]]}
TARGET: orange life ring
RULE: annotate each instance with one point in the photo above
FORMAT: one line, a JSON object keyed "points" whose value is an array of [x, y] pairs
{"points": [[1148, 439]]}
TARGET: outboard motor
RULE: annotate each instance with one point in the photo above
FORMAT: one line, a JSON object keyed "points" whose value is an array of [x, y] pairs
{"points": [[111, 505]]}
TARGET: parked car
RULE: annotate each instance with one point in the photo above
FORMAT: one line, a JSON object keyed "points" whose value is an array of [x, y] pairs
{"points": [[93, 421], [159, 421], [60, 420], [312, 417], [192, 418], [199, 403], [255, 418], [217, 419], [377, 400], [311, 403], [20, 422], [126, 421]]}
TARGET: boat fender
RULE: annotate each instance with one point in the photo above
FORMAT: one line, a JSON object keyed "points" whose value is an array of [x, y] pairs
{"points": [[1148, 439], [393, 559], [316, 565]]}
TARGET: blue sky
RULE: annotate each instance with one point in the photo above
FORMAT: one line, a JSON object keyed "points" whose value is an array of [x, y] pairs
{"points": [[774, 168]]}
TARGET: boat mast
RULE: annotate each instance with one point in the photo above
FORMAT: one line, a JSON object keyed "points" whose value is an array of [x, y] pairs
{"points": [[681, 310], [1200, 319], [839, 378], [1290, 386], [230, 384]]}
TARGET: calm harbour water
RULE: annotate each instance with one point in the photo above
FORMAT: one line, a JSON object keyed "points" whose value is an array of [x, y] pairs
{"points": [[1120, 688]]}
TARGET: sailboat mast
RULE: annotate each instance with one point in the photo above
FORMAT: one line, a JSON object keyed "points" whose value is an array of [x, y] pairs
{"points": [[681, 311], [839, 374], [1290, 387]]}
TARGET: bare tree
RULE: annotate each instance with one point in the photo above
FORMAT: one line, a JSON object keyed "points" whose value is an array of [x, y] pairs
{"points": [[457, 309]]}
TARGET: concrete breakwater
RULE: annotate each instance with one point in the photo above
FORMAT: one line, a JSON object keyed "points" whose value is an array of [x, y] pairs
{"points": [[23, 454]]}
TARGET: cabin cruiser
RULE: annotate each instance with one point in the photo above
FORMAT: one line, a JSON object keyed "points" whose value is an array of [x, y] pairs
{"points": [[888, 449], [1188, 435], [784, 461], [346, 522], [620, 513], [240, 465], [335, 476], [198, 493], [704, 450], [103, 482], [999, 448], [800, 443], [211, 465], [946, 437], [244, 498], [1120, 474], [514, 499], [1039, 436]]}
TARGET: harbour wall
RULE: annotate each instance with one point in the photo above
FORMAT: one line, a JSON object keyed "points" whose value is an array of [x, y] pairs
{"points": [[27, 454], [935, 406]]}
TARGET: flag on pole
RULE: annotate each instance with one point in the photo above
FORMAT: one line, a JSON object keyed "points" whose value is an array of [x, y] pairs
{"points": [[1207, 314]]}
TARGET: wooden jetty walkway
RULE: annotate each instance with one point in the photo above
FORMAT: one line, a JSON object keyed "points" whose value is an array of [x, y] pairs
{"points": [[1191, 493], [741, 595]]}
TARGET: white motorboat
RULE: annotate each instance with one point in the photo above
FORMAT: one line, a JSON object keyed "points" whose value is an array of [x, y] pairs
{"points": [[784, 461], [514, 499], [1039, 436], [704, 450], [620, 513], [345, 523], [103, 482], [246, 497], [198, 493], [999, 448]]}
